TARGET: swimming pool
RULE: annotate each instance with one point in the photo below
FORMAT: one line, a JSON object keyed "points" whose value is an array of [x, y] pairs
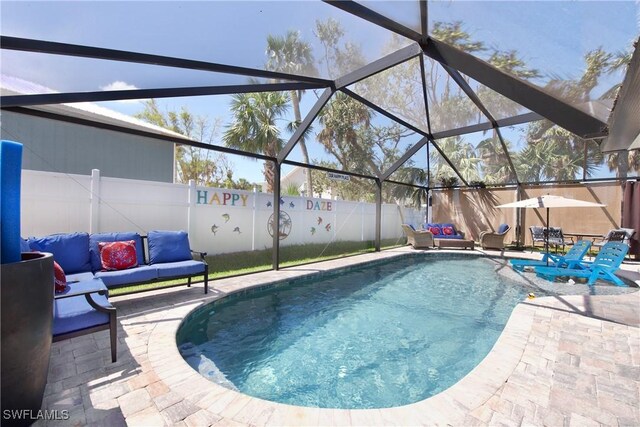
{"points": [[378, 336]]}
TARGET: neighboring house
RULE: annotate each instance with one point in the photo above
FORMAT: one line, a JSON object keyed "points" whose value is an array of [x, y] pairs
{"points": [[297, 178], [61, 146]]}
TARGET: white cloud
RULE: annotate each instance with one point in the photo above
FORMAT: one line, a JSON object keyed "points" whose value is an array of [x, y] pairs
{"points": [[120, 85]]}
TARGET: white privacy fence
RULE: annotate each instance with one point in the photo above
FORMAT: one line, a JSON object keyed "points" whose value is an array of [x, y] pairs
{"points": [[218, 220]]}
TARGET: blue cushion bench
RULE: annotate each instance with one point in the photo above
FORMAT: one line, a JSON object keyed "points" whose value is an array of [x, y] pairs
{"points": [[440, 233], [84, 307], [170, 257]]}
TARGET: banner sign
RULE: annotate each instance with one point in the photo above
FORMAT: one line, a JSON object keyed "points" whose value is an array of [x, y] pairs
{"points": [[338, 176]]}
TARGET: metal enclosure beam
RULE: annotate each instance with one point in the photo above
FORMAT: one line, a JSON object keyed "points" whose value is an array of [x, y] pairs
{"points": [[522, 92], [55, 48], [375, 18], [625, 118], [457, 77], [424, 18], [375, 67], [117, 95], [384, 112], [378, 214], [423, 78], [519, 119], [310, 117], [406, 156], [159, 136], [276, 217], [446, 159]]}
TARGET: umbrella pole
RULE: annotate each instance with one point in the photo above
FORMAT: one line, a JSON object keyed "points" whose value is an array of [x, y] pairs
{"points": [[546, 242]]}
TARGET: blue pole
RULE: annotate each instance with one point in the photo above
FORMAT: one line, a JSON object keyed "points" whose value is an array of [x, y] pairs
{"points": [[10, 169]]}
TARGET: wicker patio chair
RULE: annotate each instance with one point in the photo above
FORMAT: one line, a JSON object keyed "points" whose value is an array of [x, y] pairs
{"points": [[494, 240], [418, 239]]}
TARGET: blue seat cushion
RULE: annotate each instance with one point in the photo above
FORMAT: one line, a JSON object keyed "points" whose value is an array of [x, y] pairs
{"points": [[70, 250], [168, 246], [454, 235], [138, 274], [79, 277], [94, 239], [74, 313], [180, 268], [502, 228]]}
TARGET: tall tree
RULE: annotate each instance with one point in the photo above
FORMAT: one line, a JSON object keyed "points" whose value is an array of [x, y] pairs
{"points": [[206, 167], [254, 126], [290, 54]]}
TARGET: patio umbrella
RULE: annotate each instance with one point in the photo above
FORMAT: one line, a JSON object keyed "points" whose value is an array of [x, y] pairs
{"points": [[549, 202]]}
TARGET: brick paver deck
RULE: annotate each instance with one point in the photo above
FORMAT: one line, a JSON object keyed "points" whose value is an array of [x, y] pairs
{"points": [[561, 361]]}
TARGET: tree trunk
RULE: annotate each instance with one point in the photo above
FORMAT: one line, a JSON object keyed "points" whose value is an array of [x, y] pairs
{"points": [[269, 174], [295, 101]]}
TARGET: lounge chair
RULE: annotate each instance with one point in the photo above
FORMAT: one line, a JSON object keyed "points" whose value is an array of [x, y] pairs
{"points": [[494, 240], [603, 267], [572, 259], [556, 237], [618, 235], [537, 235], [418, 239]]}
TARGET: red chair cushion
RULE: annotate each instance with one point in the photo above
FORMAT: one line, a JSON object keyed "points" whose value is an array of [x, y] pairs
{"points": [[60, 279], [435, 231], [448, 231], [118, 255]]}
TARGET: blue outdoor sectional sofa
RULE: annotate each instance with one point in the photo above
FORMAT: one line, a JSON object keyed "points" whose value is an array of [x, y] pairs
{"points": [[443, 230], [84, 306]]}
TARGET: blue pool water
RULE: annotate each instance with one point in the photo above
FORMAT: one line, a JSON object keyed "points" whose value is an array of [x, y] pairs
{"points": [[381, 336]]}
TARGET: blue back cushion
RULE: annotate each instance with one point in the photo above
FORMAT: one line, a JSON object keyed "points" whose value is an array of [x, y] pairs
{"points": [[94, 239], [168, 246], [24, 245], [502, 228], [71, 250]]}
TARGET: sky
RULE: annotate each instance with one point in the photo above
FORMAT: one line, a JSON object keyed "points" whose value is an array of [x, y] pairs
{"points": [[550, 36]]}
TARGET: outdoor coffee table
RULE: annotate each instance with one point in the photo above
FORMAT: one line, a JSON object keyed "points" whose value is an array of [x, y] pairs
{"points": [[454, 243]]}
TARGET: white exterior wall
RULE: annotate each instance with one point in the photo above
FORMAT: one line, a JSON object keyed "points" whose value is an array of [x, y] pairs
{"points": [[60, 203]]}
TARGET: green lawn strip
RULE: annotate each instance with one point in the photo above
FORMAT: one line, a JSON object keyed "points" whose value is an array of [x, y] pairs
{"points": [[240, 263]]}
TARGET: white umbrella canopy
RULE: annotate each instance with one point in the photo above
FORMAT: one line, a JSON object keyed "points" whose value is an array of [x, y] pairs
{"points": [[547, 202]]}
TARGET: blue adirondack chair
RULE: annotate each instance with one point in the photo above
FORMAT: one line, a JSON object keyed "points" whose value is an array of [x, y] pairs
{"points": [[572, 259], [603, 267]]}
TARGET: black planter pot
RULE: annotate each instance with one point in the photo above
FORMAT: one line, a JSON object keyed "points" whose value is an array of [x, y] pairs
{"points": [[26, 292]]}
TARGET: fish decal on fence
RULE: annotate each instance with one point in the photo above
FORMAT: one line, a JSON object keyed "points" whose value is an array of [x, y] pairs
{"points": [[291, 205], [328, 227], [237, 230], [226, 217], [313, 231], [214, 229], [319, 220], [269, 204]]}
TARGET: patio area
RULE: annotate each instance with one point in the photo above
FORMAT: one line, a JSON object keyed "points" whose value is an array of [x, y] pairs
{"points": [[561, 360]]}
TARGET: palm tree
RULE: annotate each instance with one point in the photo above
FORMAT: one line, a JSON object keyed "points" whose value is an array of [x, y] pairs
{"points": [[461, 154], [291, 55], [254, 128], [495, 167], [346, 123]]}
